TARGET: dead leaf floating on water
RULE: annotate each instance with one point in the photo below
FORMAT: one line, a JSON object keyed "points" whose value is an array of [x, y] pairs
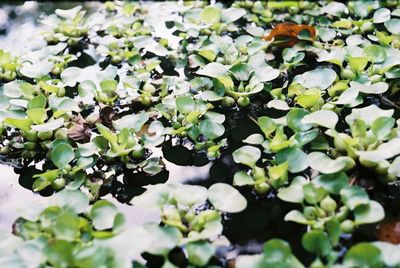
{"points": [[288, 34], [389, 231]]}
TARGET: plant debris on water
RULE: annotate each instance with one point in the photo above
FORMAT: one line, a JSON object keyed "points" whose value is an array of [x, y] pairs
{"points": [[293, 105]]}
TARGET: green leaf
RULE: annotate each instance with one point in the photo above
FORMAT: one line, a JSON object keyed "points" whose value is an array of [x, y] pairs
{"points": [[377, 88], [37, 115], [68, 13], [358, 64], [185, 104], [368, 114], [318, 78], [296, 216], [226, 198], [36, 70], [324, 164], [51, 125], [363, 255], [37, 102], [108, 86], [295, 157], [294, 119], [165, 238], [334, 8], [241, 178], [369, 213], [317, 242], [213, 69], [247, 155], [390, 253], [324, 118], [375, 53], [199, 253], [40, 184], [332, 183], [66, 226], [131, 121], [189, 195], [313, 194], [59, 253], [326, 34], [267, 125], [278, 175], [382, 126], [209, 54], [354, 196], [393, 26], [241, 71], [278, 104], [103, 214], [232, 14], [211, 15], [210, 129], [20, 123], [106, 133], [73, 200], [294, 193], [62, 154], [381, 15], [277, 253]]}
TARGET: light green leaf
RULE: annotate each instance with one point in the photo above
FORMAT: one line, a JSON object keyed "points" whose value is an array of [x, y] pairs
{"points": [[211, 15], [232, 14], [247, 155], [324, 164], [363, 255], [354, 196], [324, 118], [226, 198], [393, 26], [369, 213], [210, 129], [131, 121], [368, 114], [332, 183], [50, 125], [199, 253], [317, 242], [375, 53], [377, 88], [381, 15], [103, 214], [295, 157], [318, 78], [241, 178], [296, 216], [213, 69], [62, 154]]}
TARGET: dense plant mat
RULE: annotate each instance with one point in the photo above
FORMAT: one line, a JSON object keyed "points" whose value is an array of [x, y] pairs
{"points": [[298, 102]]}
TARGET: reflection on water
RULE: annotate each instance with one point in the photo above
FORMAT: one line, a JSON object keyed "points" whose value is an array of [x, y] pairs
{"points": [[13, 196]]}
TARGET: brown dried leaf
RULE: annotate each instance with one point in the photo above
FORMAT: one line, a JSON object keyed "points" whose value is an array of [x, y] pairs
{"points": [[289, 31], [389, 231]]}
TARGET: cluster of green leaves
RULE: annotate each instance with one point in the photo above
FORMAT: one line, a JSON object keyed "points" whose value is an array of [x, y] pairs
{"points": [[278, 253], [326, 106], [66, 26], [70, 232]]}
